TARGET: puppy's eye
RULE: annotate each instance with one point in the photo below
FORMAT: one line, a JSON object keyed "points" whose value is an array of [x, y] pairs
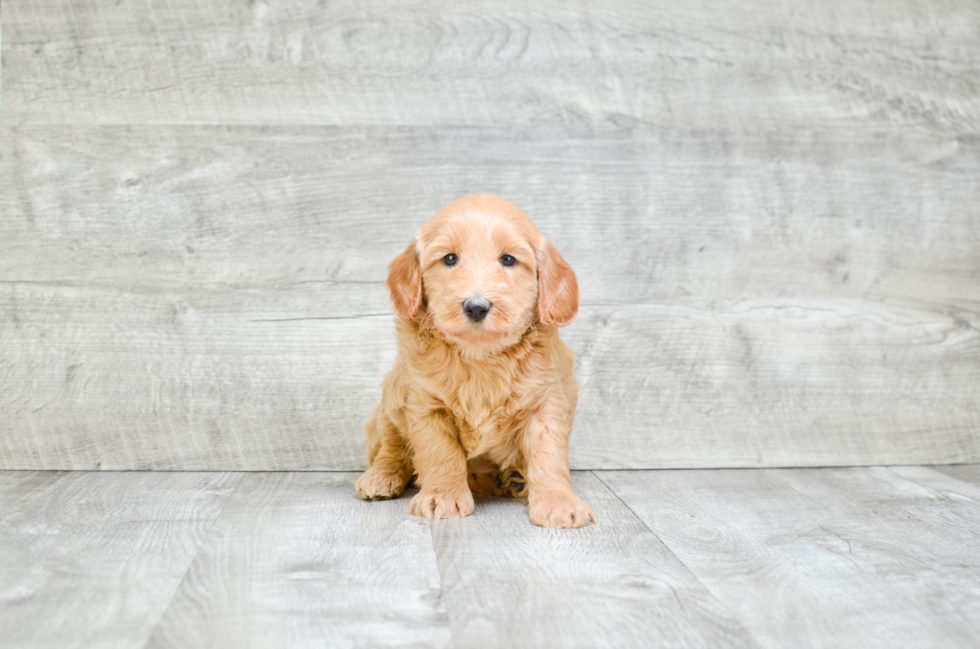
{"points": [[507, 260], [450, 259]]}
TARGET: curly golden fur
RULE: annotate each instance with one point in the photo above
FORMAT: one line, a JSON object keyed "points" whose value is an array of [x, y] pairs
{"points": [[482, 394]]}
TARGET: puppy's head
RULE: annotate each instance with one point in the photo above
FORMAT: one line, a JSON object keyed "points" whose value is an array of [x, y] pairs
{"points": [[483, 274]]}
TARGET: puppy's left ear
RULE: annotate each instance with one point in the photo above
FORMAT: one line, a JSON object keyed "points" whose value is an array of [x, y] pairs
{"points": [[405, 283], [557, 287]]}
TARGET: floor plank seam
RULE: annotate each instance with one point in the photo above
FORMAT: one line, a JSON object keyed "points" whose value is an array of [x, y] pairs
{"points": [[190, 564], [595, 473], [718, 600], [442, 580], [644, 523]]}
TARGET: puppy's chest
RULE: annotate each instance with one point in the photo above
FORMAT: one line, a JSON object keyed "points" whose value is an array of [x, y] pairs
{"points": [[478, 408]]}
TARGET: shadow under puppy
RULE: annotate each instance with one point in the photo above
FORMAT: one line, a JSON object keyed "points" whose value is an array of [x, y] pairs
{"points": [[482, 393]]}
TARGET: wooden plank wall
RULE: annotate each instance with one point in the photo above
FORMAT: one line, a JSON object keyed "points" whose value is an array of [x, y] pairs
{"points": [[773, 209]]}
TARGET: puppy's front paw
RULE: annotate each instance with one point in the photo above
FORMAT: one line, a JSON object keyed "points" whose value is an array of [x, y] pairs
{"points": [[560, 509], [438, 504], [378, 484]]}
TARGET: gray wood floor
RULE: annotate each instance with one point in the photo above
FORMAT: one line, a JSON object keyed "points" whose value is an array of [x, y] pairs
{"points": [[855, 557]]}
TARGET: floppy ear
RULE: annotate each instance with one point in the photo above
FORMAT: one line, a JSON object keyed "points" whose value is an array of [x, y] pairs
{"points": [[405, 283], [557, 287]]}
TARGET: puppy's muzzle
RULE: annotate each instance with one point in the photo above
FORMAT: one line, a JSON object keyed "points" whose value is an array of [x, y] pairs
{"points": [[476, 308]]}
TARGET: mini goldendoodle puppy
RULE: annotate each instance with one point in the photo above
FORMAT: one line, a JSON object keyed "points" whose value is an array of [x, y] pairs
{"points": [[482, 393]]}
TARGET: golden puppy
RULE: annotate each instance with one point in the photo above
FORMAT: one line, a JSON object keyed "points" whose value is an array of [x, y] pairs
{"points": [[482, 393]]}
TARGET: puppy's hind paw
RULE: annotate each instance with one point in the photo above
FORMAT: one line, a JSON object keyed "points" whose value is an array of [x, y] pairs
{"points": [[509, 483], [515, 484], [435, 504], [378, 484]]}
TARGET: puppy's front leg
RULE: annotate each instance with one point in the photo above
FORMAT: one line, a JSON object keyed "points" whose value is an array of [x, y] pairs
{"points": [[441, 466], [551, 501]]}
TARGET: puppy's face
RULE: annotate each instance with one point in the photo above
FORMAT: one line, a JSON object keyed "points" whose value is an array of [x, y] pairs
{"points": [[479, 277], [482, 274]]}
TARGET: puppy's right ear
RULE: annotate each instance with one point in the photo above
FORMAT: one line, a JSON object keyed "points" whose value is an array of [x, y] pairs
{"points": [[405, 283]]}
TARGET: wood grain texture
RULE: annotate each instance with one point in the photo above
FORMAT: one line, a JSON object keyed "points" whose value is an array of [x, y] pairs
{"points": [[92, 559], [823, 558], [297, 560], [764, 63], [196, 297], [507, 583]]}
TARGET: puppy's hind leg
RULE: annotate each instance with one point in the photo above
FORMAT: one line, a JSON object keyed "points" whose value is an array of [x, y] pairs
{"points": [[391, 466], [486, 477]]}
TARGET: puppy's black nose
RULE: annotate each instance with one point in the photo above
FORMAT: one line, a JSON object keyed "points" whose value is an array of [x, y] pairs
{"points": [[476, 308]]}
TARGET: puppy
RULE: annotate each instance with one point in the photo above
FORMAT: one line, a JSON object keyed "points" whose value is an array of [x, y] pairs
{"points": [[482, 394]]}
